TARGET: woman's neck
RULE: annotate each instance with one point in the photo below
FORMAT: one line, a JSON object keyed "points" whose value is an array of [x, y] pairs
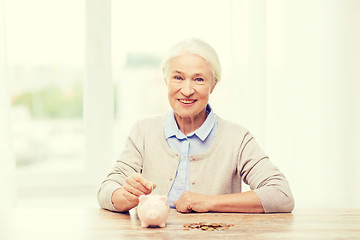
{"points": [[190, 124]]}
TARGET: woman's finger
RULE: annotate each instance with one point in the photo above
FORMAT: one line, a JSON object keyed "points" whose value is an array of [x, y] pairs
{"points": [[135, 187], [140, 183], [150, 186], [133, 190], [130, 197]]}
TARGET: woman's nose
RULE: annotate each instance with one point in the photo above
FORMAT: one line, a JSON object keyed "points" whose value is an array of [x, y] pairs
{"points": [[187, 88]]}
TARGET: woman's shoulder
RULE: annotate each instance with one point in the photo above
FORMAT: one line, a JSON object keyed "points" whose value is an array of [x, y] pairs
{"points": [[154, 119], [151, 123], [148, 127], [231, 127], [233, 132]]}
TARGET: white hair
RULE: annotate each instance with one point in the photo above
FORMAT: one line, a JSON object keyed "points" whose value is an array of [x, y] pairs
{"points": [[198, 47]]}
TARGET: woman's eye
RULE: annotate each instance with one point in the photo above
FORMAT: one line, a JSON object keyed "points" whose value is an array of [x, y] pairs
{"points": [[177, 77], [199, 79]]}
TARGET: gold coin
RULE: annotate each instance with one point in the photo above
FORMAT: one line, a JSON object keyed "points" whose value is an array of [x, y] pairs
{"points": [[208, 226]]}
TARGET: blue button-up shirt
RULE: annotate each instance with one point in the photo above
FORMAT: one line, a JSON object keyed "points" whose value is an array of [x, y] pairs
{"points": [[193, 143]]}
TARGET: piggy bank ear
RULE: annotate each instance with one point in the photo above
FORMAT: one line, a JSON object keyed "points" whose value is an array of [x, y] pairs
{"points": [[142, 198], [163, 198]]}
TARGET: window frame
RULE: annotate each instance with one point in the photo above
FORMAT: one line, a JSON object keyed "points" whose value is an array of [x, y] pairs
{"points": [[97, 110]]}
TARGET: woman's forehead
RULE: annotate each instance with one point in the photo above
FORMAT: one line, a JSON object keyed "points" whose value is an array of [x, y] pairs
{"points": [[189, 62]]}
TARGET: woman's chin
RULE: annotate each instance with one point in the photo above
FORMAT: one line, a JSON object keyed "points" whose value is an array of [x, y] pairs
{"points": [[185, 115]]}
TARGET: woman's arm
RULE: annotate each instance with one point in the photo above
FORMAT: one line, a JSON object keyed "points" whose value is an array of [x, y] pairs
{"points": [[127, 197], [120, 190], [264, 178], [236, 202], [270, 190]]}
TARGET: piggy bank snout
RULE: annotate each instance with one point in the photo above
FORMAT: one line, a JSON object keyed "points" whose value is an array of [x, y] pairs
{"points": [[153, 214]]}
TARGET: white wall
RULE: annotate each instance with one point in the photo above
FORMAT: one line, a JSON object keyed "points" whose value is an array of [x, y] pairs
{"points": [[7, 163], [309, 93], [98, 89]]}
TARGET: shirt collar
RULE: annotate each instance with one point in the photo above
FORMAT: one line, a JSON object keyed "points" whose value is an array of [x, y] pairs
{"points": [[170, 125], [204, 130], [171, 128]]}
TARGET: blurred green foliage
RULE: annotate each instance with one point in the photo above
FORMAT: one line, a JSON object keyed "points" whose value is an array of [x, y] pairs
{"points": [[52, 102]]}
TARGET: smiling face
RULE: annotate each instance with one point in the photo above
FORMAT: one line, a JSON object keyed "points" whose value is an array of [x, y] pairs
{"points": [[190, 82]]}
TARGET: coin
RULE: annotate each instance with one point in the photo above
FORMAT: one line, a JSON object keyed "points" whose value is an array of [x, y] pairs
{"points": [[208, 226]]}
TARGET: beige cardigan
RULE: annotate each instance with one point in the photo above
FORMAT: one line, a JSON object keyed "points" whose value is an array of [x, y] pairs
{"points": [[233, 157]]}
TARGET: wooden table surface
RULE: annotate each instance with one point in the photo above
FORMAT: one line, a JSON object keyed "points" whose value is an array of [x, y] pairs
{"points": [[66, 224]]}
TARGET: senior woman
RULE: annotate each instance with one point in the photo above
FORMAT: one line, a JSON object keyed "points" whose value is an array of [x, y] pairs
{"points": [[190, 154]]}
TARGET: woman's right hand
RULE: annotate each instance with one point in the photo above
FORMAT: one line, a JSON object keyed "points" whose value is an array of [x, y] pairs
{"points": [[127, 197]]}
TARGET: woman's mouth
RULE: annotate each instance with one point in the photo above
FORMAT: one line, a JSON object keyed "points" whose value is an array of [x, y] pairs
{"points": [[187, 101]]}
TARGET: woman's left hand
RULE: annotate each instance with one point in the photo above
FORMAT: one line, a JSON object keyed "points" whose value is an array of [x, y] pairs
{"points": [[190, 201]]}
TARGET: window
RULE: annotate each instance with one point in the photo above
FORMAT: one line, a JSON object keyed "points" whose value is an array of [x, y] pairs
{"points": [[46, 74], [141, 36], [62, 128]]}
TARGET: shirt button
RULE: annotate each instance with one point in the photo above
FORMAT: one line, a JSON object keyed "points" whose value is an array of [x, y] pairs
{"points": [[193, 183], [170, 179]]}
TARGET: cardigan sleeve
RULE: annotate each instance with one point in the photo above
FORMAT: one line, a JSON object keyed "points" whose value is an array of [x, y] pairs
{"points": [[264, 178], [130, 161]]}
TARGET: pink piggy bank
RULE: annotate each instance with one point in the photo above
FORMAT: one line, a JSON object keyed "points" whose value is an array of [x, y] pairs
{"points": [[153, 210]]}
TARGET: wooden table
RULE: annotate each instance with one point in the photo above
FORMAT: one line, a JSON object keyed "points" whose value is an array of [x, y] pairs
{"points": [[100, 224]]}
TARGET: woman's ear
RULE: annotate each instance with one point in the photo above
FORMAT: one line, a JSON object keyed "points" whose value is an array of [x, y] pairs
{"points": [[213, 86]]}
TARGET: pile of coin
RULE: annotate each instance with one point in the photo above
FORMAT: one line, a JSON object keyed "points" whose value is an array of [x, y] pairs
{"points": [[208, 226]]}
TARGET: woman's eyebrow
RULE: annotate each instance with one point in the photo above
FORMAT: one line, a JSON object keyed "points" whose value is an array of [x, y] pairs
{"points": [[199, 74], [193, 75]]}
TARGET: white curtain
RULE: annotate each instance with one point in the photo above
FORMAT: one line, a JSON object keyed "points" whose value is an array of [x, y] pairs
{"points": [[298, 89], [7, 165]]}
